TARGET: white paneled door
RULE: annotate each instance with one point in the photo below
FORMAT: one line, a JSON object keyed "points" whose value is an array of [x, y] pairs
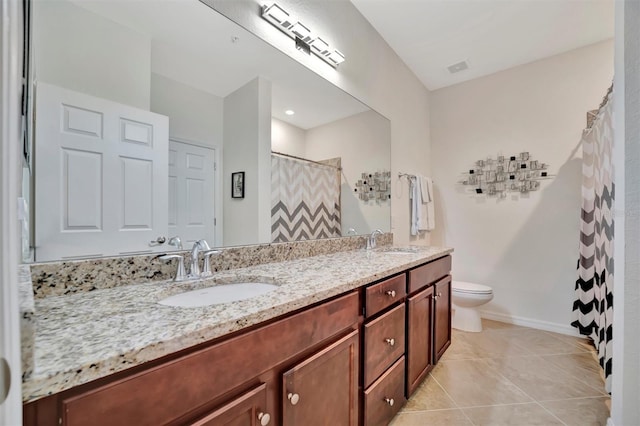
{"points": [[191, 192], [101, 176]]}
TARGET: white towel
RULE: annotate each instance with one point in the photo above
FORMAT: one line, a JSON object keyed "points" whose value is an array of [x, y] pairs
{"points": [[415, 194], [427, 208]]}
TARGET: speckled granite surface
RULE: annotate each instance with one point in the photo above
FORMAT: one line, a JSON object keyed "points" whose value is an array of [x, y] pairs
{"points": [[60, 278], [88, 335], [27, 320]]}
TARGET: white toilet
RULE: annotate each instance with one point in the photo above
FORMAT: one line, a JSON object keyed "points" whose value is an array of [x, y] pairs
{"points": [[466, 298]]}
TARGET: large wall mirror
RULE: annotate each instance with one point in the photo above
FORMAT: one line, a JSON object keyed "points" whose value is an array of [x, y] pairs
{"points": [[154, 120]]}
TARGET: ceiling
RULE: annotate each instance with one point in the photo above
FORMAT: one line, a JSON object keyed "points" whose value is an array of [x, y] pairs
{"points": [[491, 35]]}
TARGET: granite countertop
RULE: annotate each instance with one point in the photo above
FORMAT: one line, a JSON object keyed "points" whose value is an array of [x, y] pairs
{"points": [[85, 336]]}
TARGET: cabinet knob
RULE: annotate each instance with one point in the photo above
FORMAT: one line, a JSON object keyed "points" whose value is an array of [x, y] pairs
{"points": [[293, 398], [389, 401], [391, 341], [391, 293], [264, 418], [435, 297], [440, 294]]}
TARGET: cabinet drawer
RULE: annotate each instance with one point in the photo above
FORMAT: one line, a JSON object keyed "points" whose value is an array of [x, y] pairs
{"points": [[164, 393], [383, 343], [427, 274], [385, 397], [384, 294]]}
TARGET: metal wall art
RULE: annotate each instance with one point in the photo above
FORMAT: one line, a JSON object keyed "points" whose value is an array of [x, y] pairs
{"points": [[374, 186], [499, 176]]}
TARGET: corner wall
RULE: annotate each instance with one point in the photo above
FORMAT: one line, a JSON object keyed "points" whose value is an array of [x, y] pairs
{"points": [[525, 247], [625, 382], [247, 148], [362, 143]]}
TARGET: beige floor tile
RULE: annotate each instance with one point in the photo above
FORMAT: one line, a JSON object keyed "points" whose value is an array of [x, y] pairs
{"points": [[540, 379], [580, 342], [543, 343], [495, 376], [472, 383], [512, 415], [580, 412], [431, 418], [490, 325], [429, 396], [483, 345], [582, 366]]}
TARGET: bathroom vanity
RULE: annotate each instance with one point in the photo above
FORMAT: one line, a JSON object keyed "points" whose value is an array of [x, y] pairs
{"points": [[344, 340]]}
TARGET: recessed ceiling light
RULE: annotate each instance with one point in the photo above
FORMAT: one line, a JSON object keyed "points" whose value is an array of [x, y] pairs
{"points": [[289, 112]]}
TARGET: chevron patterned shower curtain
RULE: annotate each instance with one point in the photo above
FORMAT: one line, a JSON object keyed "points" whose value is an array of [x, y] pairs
{"points": [[305, 200], [593, 305]]}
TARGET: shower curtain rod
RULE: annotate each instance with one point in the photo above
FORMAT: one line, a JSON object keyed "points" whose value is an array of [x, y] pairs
{"points": [[306, 159], [602, 104]]}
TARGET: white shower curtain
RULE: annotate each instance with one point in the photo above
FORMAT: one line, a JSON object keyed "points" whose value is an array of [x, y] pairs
{"points": [[305, 200], [593, 305]]}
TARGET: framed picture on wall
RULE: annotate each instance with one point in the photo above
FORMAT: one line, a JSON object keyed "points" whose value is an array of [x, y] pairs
{"points": [[237, 185]]}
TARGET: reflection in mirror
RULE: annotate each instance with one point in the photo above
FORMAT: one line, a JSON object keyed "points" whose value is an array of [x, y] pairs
{"points": [[143, 111]]}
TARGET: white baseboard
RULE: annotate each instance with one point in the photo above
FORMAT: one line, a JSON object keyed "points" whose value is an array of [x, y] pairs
{"points": [[532, 323]]}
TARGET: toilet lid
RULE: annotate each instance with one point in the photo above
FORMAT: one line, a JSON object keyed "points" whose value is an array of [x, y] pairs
{"points": [[463, 287]]}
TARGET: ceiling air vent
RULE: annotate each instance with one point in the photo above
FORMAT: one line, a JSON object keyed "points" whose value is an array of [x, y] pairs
{"points": [[460, 66]]}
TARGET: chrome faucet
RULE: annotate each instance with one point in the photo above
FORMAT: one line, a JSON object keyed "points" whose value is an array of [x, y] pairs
{"points": [[181, 274], [371, 241], [194, 272], [176, 242], [206, 266], [352, 231]]}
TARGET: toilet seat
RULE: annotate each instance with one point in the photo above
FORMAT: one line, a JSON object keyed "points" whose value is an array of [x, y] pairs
{"points": [[470, 288]]}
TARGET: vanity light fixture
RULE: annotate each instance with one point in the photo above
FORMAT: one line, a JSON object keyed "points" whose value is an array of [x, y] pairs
{"points": [[303, 35]]}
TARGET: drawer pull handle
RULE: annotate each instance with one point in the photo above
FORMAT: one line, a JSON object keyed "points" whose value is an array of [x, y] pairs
{"points": [[391, 293], [391, 341], [264, 418], [293, 398], [389, 401]]}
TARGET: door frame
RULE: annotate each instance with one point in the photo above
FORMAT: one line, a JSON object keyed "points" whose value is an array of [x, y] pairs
{"points": [[10, 178], [217, 188]]}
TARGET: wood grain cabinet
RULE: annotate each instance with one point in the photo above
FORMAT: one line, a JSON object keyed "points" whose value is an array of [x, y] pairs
{"points": [[348, 361], [248, 409], [442, 317], [383, 364], [323, 389], [428, 319], [419, 337]]}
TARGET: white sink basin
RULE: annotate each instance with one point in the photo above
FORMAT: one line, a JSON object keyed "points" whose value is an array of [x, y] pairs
{"points": [[215, 295]]}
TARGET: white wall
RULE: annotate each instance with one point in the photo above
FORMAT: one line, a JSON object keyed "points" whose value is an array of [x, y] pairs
{"points": [[79, 50], [625, 385], [525, 248], [372, 72], [287, 139], [194, 115], [362, 142], [247, 147]]}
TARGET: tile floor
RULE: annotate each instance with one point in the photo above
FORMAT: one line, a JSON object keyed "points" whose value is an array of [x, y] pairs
{"points": [[510, 375]]}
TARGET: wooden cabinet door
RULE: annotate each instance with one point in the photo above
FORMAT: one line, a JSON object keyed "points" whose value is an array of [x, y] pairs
{"points": [[442, 321], [246, 410], [323, 389], [419, 338]]}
